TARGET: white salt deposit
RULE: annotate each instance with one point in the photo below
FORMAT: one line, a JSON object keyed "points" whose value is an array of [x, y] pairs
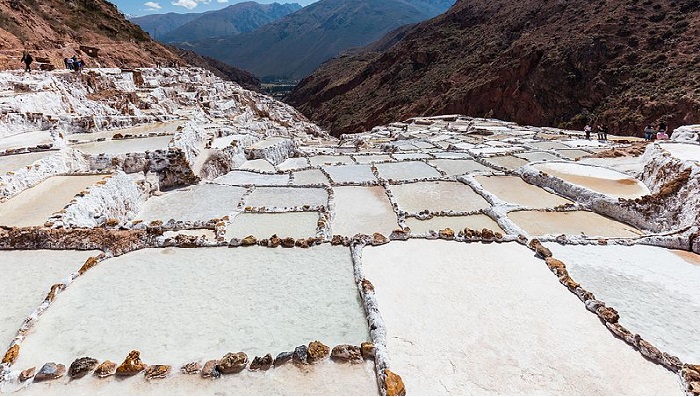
{"points": [[206, 302], [514, 190], [437, 196], [287, 197], [406, 170], [193, 203], [598, 179], [34, 206], [240, 178], [293, 163], [572, 154], [548, 145], [654, 290], [350, 173], [411, 156], [329, 160], [14, 162], [27, 276], [259, 165], [459, 167], [372, 158], [310, 177], [362, 210], [537, 156], [283, 224], [683, 151], [508, 162], [135, 145], [456, 223], [26, 140], [538, 223], [491, 319]]}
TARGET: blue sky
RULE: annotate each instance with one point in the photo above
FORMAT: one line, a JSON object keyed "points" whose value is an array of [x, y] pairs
{"points": [[144, 7]]}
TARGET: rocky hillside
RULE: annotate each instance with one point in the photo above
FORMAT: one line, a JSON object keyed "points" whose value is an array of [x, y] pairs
{"points": [[219, 69], [535, 62], [55, 29], [294, 46], [158, 25], [234, 19]]}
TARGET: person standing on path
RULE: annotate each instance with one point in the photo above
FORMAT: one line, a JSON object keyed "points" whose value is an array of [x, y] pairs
{"points": [[587, 130], [648, 133], [27, 59]]}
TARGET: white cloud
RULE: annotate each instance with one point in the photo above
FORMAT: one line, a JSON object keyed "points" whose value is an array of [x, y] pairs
{"points": [[190, 4], [222, 1], [152, 5]]}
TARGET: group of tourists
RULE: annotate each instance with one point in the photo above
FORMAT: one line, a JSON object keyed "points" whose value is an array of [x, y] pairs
{"points": [[649, 132], [74, 63], [601, 130], [661, 132]]}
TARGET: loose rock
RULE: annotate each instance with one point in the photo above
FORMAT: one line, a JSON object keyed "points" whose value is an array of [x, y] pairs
{"points": [[132, 365], [248, 241], [157, 372], [394, 384], [347, 353], [379, 239], [288, 242], [447, 234], [608, 314], [368, 350], [317, 351], [399, 235], [82, 366], [232, 363], [283, 358], [50, 371], [300, 355], [261, 363], [107, 368], [27, 374], [191, 368], [210, 369], [11, 355]]}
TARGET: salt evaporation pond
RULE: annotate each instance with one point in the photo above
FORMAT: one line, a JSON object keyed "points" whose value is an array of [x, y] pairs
{"points": [[258, 165], [572, 154], [537, 156], [293, 163], [34, 206], [362, 210], [208, 234], [548, 145], [406, 170], [283, 224], [655, 290], [121, 146], [683, 151], [287, 197], [26, 140], [459, 167], [437, 196], [598, 179], [14, 162], [194, 203], [492, 319], [241, 178], [456, 223], [323, 379], [372, 158], [350, 173], [309, 177], [27, 276], [168, 128], [330, 160], [514, 190], [178, 305], [508, 162], [540, 223]]}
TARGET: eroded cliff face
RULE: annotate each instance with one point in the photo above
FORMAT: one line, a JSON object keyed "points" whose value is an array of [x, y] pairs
{"points": [[533, 62], [55, 29]]}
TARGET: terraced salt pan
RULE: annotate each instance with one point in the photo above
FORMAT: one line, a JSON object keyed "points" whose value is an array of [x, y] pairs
{"points": [[168, 127], [34, 206], [16, 161], [179, 305], [491, 319], [508, 162], [683, 151], [287, 197], [452, 155], [121, 146], [293, 163], [459, 167], [411, 156], [356, 173], [284, 224], [206, 233], [549, 145], [26, 140], [456, 223], [193, 203], [323, 379], [538, 223], [27, 276], [372, 158], [330, 160], [310, 177], [537, 156], [494, 151], [362, 210], [258, 165], [655, 290], [597, 179], [633, 166], [406, 170], [572, 154], [514, 190], [437, 196], [241, 178]]}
